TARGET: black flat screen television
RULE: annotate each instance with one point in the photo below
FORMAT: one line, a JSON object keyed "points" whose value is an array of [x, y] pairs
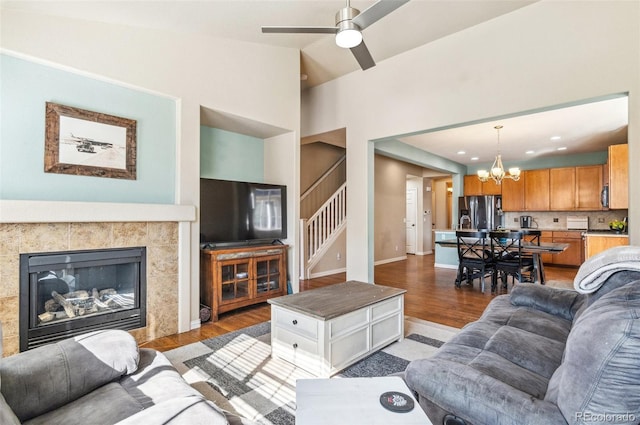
{"points": [[233, 212]]}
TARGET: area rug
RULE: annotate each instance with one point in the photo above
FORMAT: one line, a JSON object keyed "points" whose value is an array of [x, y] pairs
{"points": [[236, 370]]}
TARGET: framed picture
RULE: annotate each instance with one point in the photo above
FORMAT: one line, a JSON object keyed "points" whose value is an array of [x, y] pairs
{"points": [[89, 143]]}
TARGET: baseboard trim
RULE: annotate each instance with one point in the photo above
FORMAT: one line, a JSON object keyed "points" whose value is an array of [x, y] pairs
{"points": [[195, 324], [327, 273], [390, 260], [424, 252], [445, 266]]}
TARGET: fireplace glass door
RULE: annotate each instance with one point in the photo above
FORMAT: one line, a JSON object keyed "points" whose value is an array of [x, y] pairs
{"points": [[73, 292]]}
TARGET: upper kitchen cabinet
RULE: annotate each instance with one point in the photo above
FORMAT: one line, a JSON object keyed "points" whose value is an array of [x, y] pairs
{"points": [[589, 180], [562, 189], [513, 194], [618, 176], [536, 190], [575, 188], [474, 187]]}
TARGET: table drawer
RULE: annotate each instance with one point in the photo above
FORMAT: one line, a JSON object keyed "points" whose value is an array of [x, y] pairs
{"points": [[297, 323], [384, 308], [290, 342], [567, 234]]}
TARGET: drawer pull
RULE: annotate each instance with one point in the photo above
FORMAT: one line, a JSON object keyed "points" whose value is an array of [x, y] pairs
{"points": [[295, 345], [295, 322]]}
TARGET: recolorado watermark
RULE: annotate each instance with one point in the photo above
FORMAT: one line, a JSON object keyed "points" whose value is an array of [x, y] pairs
{"points": [[586, 417]]}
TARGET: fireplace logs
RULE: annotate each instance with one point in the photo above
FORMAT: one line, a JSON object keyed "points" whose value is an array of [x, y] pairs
{"points": [[79, 303]]}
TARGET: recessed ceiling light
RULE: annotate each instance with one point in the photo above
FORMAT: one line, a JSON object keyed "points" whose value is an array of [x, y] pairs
{"points": [[461, 152], [474, 158], [530, 152], [563, 148], [556, 137]]}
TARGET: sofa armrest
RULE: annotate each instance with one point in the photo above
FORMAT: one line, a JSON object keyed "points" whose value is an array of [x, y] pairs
{"points": [[554, 301], [45, 378], [476, 397]]}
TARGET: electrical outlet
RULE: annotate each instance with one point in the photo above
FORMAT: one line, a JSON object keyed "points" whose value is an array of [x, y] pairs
{"points": [[338, 257], [515, 219], [397, 247], [555, 220], [600, 219]]}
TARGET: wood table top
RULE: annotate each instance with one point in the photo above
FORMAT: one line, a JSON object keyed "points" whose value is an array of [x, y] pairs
{"points": [[335, 300]]}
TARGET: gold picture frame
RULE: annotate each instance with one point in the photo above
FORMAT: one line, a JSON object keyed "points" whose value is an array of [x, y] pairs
{"points": [[87, 143]]}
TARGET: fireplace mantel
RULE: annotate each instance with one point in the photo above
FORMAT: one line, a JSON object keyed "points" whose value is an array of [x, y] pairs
{"points": [[19, 211]]}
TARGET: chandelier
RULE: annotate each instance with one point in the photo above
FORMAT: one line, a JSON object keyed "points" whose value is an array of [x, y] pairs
{"points": [[497, 172]]}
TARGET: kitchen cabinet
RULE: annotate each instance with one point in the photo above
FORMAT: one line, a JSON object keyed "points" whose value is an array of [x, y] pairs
{"points": [[513, 194], [536, 190], [595, 243], [473, 186], [589, 181], [555, 189], [238, 277], [572, 256], [562, 189], [618, 164]]}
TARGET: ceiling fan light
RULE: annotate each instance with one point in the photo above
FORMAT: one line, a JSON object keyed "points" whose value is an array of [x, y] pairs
{"points": [[348, 38]]}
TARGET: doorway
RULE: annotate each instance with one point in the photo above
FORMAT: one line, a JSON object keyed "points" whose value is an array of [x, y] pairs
{"points": [[410, 221]]}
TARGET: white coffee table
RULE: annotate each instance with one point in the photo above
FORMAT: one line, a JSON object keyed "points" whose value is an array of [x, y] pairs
{"points": [[327, 329], [352, 401]]}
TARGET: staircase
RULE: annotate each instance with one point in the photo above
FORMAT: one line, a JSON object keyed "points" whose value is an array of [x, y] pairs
{"points": [[320, 230]]}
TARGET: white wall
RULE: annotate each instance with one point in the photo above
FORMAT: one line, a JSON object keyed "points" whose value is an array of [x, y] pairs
{"points": [[258, 82], [545, 54]]}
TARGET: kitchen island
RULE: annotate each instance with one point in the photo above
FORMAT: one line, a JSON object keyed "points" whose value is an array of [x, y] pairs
{"points": [[597, 241]]}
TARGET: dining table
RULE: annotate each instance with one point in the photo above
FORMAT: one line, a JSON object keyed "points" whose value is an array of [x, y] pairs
{"points": [[527, 247]]}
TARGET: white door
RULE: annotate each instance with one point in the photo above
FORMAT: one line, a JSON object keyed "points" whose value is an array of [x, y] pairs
{"points": [[410, 220]]}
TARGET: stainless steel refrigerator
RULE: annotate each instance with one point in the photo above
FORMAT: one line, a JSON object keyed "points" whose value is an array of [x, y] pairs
{"points": [[480, 212]]}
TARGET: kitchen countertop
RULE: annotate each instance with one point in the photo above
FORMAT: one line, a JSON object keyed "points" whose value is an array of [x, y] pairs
{"points": [[600, 232], [606, 233]]}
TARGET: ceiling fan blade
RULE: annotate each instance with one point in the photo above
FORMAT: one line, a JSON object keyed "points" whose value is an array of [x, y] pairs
{"points": [[377, 11], [299, 30], [363, 56]]}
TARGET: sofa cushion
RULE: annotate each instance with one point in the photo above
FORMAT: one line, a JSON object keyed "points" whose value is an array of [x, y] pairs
{"points": [[50, 376], [600, 374], [106, 405], [192, 410], [550, 300], [156, 380], [7, 417]]}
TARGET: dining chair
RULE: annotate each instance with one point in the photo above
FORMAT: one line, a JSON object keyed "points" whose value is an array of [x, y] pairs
{"points": [[509, 259], [474, 257]]}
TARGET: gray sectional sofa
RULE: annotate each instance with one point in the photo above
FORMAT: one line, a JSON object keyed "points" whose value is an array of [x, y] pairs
{"points": [[100, 378], [544, 356]]}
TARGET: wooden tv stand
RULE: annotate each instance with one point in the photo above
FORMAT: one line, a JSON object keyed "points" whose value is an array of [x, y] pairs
{"points": [[236, 277]]}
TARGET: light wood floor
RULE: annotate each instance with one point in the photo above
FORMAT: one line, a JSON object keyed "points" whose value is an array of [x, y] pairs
{"points": [[431, 295]]}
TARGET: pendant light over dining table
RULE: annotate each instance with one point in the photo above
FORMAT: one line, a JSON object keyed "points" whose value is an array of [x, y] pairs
{"points": [[497, 172]]}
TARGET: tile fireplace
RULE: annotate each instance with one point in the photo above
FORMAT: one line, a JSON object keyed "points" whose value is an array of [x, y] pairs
{"points": [[67, 293]]}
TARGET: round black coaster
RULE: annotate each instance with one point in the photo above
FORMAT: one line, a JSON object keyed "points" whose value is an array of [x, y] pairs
{"points": [[396, 401]]}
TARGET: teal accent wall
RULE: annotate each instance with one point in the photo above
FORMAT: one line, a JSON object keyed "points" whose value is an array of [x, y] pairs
{"points": [[230, 156], [595, 158], [26, 86]]}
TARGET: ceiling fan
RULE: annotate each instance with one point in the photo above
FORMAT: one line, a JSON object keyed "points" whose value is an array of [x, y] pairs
{"points": [[349, 24]]}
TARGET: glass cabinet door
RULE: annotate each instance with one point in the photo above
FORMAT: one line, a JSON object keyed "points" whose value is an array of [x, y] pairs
{"points": [[235, 280], [267, 275]]}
